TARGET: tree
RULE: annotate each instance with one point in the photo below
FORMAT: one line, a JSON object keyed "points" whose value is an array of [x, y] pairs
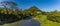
{"points": [[12, 5], [8, 15], [9, 3]]}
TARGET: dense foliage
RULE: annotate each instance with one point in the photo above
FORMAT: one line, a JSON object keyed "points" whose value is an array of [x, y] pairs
{"points": [[11, 14], [54, 16]]}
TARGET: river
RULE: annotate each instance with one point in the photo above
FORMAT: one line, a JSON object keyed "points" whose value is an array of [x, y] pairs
{"points": [[27, 22]]}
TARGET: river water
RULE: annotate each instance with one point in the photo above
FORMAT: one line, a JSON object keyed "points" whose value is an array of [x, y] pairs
{"points": [[26, 22]]}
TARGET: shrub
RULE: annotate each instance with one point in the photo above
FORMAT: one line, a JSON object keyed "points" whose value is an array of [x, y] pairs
{"points": [[54, 18]]}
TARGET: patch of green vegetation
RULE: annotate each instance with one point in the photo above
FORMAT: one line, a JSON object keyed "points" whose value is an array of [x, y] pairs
{"points": [[45, 22]]}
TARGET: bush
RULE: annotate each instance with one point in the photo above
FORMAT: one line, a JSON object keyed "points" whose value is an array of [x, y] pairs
{"points": [[54, 18]]}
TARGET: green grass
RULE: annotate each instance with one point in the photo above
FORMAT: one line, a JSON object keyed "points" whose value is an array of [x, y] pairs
{"points": [[45, 22]]}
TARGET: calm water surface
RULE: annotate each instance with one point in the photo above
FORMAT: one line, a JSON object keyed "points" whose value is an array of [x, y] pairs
{"points": [[26, 22]]}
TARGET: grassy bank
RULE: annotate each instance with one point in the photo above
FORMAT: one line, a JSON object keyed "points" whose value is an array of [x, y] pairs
{"points": [[45, 22]]}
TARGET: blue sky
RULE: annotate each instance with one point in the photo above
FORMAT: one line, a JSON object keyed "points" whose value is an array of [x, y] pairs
{"points": [[45, 5]]}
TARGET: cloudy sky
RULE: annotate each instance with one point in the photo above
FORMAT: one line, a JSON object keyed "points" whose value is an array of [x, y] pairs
{"points": [[45, 5]]}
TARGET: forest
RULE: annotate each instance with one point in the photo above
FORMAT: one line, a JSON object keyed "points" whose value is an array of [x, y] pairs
{"points": [[9, 13]]}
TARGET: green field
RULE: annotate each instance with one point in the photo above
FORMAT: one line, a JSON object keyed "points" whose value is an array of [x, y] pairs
{"points": [[45, 22]]}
